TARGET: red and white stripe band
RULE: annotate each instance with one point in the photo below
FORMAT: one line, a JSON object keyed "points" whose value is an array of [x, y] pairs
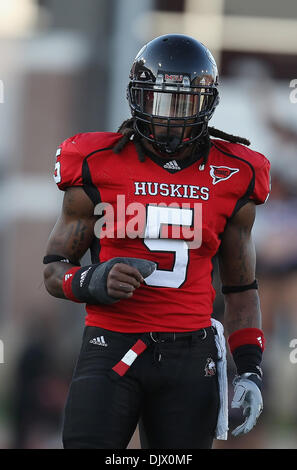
{"points": [[127, 360]]}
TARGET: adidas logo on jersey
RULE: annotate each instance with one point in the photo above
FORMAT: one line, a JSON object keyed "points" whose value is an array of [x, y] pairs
{"points": [[172, 165], [100, 341]]}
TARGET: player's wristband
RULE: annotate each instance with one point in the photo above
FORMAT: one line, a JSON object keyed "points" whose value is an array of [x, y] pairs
{"points": [[247, 346], [76, 284], [67, 285], [246, 336]]}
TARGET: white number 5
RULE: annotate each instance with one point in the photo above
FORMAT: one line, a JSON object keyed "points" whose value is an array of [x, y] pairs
{"points": [[156, 217]]}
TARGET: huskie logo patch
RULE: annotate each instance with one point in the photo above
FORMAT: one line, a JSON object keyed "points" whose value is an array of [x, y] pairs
{"points": [[210, 367], [221, 173]]}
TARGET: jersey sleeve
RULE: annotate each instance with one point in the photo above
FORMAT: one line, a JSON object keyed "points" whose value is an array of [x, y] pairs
{"points": [[262, 186], [69, 165]]}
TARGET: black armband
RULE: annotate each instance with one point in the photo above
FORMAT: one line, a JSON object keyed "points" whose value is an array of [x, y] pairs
{"points": [[233, 289], [53, 258]]}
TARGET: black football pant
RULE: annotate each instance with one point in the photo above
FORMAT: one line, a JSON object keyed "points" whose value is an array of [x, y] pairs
{"points": [[171, 389]]}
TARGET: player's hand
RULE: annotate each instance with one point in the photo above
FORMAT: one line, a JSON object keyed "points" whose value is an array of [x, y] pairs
{"points": [[124, 277], [247, 395], [122, 280]]}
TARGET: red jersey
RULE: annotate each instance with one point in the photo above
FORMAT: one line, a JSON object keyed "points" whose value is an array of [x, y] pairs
{"points": [[174, 196]]}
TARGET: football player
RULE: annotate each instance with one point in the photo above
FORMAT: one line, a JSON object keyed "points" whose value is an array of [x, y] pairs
{"points": [[154, 203]]}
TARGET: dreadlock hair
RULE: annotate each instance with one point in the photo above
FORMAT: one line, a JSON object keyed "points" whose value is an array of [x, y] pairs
{"points": [[128, 130], [234, 139]]}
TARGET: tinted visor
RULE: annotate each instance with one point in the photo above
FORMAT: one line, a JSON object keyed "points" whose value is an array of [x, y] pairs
{"points": [[172, 105]]}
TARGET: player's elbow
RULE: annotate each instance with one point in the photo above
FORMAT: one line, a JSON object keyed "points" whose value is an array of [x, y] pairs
{"points": [[52, 282]]}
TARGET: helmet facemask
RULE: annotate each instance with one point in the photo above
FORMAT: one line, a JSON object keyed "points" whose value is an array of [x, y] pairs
{"points": [[171, 113]]}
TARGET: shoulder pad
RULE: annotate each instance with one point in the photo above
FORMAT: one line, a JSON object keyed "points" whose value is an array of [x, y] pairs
{"points": [[73, 151], [259, 164]]}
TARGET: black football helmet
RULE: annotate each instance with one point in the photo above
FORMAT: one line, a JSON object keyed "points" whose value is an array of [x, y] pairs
{"points": [[172, 91]]}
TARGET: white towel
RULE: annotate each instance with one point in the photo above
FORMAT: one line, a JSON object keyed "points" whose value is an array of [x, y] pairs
{"points": [[222, 424]]}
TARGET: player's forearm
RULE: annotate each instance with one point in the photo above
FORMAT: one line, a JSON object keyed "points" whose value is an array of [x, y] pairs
{"points": [[242, 310], [53, 278]]}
